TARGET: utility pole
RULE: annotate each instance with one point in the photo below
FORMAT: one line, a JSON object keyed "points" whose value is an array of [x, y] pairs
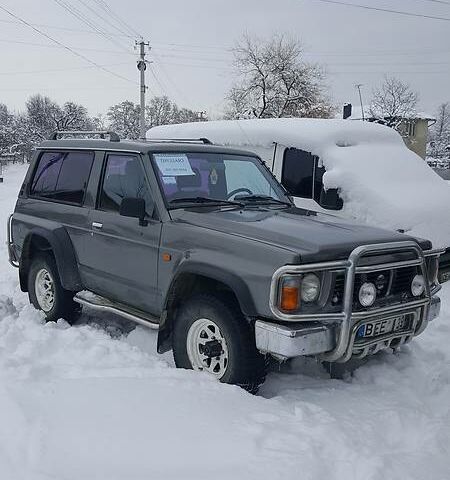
{"points": [[142, 66], [358, 86]]}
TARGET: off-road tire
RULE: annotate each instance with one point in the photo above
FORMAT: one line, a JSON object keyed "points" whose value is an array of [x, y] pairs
{"points": [[246, 366], [63, 305]]}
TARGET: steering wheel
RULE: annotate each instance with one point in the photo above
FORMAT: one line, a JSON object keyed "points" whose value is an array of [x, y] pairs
{"points": [[239, 190]]}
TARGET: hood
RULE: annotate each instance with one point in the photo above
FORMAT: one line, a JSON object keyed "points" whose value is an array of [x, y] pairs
{"points": [[315, 236]]}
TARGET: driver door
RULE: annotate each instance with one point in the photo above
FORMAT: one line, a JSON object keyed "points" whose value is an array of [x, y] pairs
{"points": [[122, 255]]}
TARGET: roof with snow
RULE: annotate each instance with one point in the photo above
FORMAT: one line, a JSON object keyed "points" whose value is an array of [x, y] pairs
{"points": [[357, 114]]}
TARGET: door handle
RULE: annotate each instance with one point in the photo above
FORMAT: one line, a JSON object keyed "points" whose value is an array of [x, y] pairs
{"points": [[97, 225]]}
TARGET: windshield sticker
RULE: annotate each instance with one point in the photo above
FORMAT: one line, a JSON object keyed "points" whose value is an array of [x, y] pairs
{"points": [[173, 164], [213, 177], [169, 180]]}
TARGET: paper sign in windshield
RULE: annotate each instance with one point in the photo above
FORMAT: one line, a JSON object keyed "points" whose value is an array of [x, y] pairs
{"points": [[173, 165]]}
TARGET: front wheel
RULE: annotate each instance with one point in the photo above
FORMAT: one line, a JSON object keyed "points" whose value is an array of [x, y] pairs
{"points": [[46, 292], [211, 335]]}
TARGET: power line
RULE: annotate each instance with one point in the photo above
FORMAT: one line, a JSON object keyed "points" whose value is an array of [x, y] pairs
{"points": [[443, 2], [46, 45], [103, 18], [308, 54], [66, 29], [82, 17], [71, 50], [388, 10], [162, 88], [52, 70], [104, 6], [182, 95]]}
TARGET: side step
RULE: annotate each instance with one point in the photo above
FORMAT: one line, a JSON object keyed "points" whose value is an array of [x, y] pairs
{"points": [[97, 302]]}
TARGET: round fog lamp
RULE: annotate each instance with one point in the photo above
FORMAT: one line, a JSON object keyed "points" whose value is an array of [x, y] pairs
{"points": [[310, 288], [367, 294], [418, 285]]}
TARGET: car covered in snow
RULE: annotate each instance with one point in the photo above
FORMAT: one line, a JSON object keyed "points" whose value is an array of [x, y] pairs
{"points": [[201, 243], [348, 168]]}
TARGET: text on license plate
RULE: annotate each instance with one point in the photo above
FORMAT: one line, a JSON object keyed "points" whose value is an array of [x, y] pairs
{"points": [[381, 327]]}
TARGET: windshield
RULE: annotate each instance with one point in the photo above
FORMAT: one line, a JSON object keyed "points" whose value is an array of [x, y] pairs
{"points": [[194, 177]]}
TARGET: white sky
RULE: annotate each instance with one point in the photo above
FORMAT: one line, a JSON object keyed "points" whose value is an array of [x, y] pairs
{"points": [[191, 41]]}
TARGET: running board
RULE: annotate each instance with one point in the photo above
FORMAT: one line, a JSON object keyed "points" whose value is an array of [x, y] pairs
{"points": [[97, 302]]}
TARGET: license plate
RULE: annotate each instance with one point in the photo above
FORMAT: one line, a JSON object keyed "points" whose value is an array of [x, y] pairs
{"points": [[382, 327]]}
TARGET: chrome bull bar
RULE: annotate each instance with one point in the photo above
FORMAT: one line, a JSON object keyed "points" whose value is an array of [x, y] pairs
{"points": [[346, 321]]}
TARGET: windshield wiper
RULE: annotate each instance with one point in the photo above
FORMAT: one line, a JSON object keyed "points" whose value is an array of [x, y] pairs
{"points": [[206, 201], [261, 199]]}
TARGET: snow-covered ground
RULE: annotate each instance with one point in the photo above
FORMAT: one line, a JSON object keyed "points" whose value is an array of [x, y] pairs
{"points": [[88, 403]]}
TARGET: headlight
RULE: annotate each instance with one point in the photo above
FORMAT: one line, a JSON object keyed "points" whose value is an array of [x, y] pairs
{"points": [[310, 288], [367, 294], [418, 285]]}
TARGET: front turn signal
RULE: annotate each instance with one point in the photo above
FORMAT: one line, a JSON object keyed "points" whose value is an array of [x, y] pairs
{"points": [[290, 294]]}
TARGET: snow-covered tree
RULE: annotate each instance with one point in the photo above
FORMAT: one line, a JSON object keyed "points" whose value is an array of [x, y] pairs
{"points": [[393, 101], [45, 116], [162, 111], [7, 134], [274, 80], [123, 118], [440, 133]]}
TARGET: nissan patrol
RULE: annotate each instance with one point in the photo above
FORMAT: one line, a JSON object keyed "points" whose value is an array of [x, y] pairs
{"points": [[201, 243]]}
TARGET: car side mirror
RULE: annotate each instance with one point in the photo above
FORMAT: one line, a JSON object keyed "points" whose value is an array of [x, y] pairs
{"points": [[330, 199], [134, 208]]}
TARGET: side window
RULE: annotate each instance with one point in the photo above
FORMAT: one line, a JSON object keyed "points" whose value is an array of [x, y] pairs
{"points": [[62, 176], [123, 177], [298, 172]]}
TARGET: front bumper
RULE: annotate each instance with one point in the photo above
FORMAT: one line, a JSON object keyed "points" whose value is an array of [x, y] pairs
{"points": [[301, 339], [346, 321]]}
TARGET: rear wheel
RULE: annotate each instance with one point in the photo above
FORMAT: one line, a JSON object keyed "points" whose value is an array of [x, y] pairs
{"points": [[211, 335], [46, 292]]}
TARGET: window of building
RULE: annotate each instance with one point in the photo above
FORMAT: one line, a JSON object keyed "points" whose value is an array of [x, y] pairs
{"points": [[124, 177], [411, 128], [62, 176]]}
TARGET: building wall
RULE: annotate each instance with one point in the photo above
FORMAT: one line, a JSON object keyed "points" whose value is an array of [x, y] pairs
{"points": [[418, 141]]}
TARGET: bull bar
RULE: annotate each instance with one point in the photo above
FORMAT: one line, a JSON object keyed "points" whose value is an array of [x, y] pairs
{"points": [[333, 335]]}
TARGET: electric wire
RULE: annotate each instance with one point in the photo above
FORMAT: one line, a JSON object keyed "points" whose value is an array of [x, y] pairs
{"points": [[104, 18], [69, 49], [53, 70], [82, 17], [388, 10], [104, 5]]}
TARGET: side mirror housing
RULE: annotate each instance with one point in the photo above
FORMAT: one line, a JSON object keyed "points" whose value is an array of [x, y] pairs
{"points": [[330, 199], [135, 208]]}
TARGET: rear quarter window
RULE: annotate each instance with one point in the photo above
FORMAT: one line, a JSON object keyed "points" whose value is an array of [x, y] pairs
{"points": [[62, 176]]}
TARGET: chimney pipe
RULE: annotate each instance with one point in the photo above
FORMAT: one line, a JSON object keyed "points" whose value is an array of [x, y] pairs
{"points": [[347, 112]]}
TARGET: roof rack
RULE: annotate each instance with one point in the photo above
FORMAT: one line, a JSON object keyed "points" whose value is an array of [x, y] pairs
{"points": [[113, 137], [203, 140]]}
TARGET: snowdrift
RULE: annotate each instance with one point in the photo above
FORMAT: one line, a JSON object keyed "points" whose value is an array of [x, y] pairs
{"points": [[88, 402], [381, 181]]}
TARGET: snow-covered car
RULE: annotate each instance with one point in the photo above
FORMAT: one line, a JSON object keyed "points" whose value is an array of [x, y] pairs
{"points": [[352, 169], [201, 243]]}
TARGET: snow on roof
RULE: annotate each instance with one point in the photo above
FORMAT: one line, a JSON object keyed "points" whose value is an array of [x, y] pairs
{"points": [[306, 133], [381, 181], [357, 114]]}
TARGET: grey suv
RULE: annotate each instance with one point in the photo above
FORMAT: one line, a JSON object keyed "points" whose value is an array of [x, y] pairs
{"points": [[203, 244]]}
